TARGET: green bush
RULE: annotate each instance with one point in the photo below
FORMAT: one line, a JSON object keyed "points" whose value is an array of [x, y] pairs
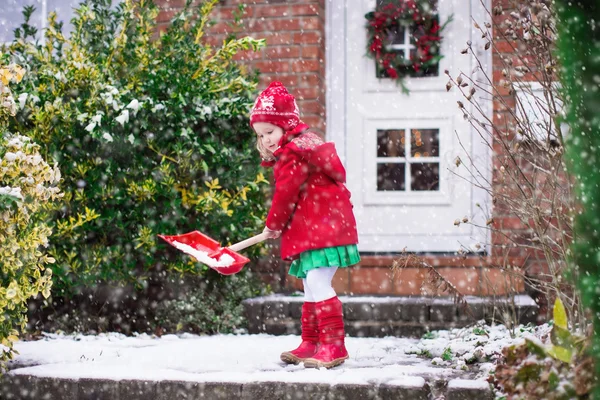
{"points": [[208, 308], [578, 44], [27, 186], [150, 132], [559, 370]]}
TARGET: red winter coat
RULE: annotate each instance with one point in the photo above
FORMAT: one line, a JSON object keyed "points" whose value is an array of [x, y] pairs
{"points": [[311, 205]]}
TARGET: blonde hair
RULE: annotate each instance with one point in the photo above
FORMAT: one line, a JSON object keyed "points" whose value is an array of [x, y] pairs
{"points": [[265, 154]]}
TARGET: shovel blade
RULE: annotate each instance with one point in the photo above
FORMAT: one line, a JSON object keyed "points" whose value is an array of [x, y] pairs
{"points": [[201, 242], [195, 239]]}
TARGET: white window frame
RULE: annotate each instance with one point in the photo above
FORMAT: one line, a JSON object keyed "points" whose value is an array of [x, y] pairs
{"points": [[531, 97], [373, 196]]}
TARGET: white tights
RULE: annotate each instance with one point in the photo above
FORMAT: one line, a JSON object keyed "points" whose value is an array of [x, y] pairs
{"points": [[317, 284]]}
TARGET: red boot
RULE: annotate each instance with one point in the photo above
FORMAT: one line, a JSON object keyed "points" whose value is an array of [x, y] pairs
{"points": [[310, 337], [332, 350]]}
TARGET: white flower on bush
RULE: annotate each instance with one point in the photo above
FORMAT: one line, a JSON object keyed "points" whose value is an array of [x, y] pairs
{"points": [[108, 98], [15, 143], [106, 136], [112, 90], [59, 75], [133, 105], [57, 174], [22, 100], [124, 117], [36, 159], [11, 191], [9, 103], [90, 126], [95, 121], [157, 107], [10, 156]]}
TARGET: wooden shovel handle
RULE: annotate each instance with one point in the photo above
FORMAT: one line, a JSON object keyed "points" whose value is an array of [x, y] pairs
{"points": [[249, 242]]}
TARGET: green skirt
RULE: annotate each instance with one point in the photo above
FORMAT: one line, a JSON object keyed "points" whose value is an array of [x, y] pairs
{"points": [[340, 256]]}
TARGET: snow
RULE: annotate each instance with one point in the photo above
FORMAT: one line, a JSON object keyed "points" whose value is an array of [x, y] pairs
{"points": [[11, 191], [224, 260], [467, 384], [221, 358], [245, 358]]}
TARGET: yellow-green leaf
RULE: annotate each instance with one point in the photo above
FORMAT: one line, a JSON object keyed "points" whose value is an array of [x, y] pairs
{"points": [[560, 353], [560, 315]]}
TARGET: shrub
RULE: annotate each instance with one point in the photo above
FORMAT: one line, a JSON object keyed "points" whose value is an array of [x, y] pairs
{"points": [[558, 370], [208, 307], [151, 134], [578, 41], [27, 185]]}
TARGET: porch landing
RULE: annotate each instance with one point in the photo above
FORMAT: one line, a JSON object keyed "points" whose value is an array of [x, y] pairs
{"points": [[115, 367]]}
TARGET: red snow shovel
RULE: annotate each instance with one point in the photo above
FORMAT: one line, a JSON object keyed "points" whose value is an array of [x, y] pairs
{"points": [[214, 253]]}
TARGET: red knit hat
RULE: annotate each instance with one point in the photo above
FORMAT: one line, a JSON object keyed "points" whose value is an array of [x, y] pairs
{"points": [[276, 106]]}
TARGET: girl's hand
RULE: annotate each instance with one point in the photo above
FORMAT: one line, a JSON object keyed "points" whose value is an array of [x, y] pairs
{"points": [[272, 234]]}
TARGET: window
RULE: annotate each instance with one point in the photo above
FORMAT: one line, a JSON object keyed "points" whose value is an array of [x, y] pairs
{"points": [[533, 109], [402, 41], [408, 160]]}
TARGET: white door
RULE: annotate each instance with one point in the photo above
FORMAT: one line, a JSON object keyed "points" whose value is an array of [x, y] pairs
{"points": [[400, 150]]}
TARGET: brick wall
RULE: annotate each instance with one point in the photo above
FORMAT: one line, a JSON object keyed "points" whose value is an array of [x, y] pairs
{"points": [[295, 53]]}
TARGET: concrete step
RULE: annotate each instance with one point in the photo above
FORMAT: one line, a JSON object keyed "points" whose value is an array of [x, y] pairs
{"points": [[389, 316], [27, 387]]}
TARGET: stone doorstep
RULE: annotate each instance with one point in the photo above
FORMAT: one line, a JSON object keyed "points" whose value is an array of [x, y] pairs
{"points": [[27, 387], [384, 316], [359, 328]]}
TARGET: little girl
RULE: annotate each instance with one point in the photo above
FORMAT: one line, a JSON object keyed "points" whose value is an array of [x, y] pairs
{"points": [[311, 210]]}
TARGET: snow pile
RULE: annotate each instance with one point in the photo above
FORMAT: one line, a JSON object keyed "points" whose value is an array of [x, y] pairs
{"points": [[225, 260], [481, 345]]}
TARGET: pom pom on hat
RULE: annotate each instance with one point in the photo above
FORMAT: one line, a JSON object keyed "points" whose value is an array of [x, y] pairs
{"points": [[276, 106]]}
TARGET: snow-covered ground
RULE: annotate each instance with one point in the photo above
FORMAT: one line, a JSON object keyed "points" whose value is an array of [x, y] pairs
{"points": [[255, 358]]}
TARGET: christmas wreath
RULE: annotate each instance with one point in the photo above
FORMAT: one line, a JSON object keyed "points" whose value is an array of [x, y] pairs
{"points": [[424, 32]]}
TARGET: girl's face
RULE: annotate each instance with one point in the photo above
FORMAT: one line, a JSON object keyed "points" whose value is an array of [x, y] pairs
{"points": [[268, 135]]}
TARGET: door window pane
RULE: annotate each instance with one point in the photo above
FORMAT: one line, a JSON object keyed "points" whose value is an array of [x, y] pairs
{"points": [[396, 40], [424, 142], [425, 176], [390, 176], [390, 143]]}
